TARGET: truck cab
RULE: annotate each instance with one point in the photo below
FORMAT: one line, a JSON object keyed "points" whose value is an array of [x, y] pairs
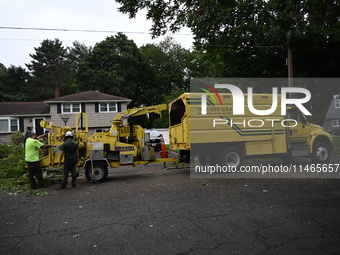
{"points": [[307, 139]]}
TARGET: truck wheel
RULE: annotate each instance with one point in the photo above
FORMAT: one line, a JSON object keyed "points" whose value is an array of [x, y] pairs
{"points": [[232, 156], [99, 174], [321, 153]]}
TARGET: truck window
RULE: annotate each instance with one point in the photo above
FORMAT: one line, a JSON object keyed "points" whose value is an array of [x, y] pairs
{"points": [[292, 114], [177, 112], [297, 115], [302, 118]]}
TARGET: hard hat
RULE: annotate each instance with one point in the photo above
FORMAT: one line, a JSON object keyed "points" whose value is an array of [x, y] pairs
{"points": [[69, 133]]}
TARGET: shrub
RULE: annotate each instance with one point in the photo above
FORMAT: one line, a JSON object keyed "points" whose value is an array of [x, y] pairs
{"points": [[17, 139], [12, 158]]}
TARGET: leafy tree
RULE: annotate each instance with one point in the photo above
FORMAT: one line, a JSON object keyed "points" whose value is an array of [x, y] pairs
{"points": [[252, 36], [78, 52], [115, 67], [50, 69], [3, 74], [177, 65], [163, 122], [322, 91], [13, 83], [167, 65]]}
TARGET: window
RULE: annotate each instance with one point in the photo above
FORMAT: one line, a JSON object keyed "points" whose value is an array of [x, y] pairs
{"points": [[71, 108], [335, 123], [297, 115], [337, 103], [14, 125], [9, 125], [108, 107]]}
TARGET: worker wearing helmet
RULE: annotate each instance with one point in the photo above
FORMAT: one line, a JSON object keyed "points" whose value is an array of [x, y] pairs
{"points": [[69, 150]]}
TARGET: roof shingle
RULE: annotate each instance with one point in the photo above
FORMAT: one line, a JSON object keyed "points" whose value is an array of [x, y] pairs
{"points": [[89, 95], [23, 108]]}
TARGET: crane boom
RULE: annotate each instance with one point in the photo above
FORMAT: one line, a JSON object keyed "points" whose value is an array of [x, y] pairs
{"points": [[124, 115]]}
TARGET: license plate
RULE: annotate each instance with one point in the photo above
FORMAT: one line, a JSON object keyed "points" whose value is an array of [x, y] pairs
{"points": [[153, 144]]}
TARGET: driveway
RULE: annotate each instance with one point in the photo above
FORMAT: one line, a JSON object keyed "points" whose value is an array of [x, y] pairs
{"points": [[148, 210]]}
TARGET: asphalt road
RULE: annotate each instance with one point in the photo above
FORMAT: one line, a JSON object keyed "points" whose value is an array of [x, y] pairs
{"points": [[147, 210]]}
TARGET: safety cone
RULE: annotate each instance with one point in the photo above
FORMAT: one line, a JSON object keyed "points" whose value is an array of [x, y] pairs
{"points": [[163, 153]]}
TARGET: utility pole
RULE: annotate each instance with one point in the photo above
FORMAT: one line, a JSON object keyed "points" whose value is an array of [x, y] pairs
{"points": [[290, 62]]}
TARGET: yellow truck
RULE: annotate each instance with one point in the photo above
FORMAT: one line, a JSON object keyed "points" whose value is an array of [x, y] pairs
{"points": [[123, 144], [220, 136]]}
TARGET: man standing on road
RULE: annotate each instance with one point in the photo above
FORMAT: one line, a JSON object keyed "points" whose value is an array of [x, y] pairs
{"points": [[32, 146], [69, 149]]}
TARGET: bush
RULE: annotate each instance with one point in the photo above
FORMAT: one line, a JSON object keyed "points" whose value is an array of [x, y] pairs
{"points": [[17, 139], [12, 158]]}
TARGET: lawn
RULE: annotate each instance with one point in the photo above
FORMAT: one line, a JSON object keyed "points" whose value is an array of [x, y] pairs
{"points": [[336, 141]]}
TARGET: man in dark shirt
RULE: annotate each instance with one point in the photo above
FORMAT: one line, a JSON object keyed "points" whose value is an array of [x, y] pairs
{"points": [[69, 149]]}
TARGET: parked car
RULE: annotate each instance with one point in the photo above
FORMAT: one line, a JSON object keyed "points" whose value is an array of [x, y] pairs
{"points": [[153, 139]]}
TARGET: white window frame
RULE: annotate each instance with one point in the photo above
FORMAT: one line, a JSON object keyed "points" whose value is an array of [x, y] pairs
{"points": [[108, 107], [9, 125], [71, 108], [335, 123], [337, 103]]}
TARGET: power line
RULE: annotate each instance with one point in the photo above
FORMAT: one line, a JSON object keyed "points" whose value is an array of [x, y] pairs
{"points": [[78, 30], [33, 40]]}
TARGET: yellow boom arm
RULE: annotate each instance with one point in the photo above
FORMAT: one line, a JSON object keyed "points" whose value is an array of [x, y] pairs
{"points": [[139, 111]]}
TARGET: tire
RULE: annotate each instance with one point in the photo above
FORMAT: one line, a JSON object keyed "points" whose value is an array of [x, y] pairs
{"points": [[232, 156], [100, 172], [321, 153]]}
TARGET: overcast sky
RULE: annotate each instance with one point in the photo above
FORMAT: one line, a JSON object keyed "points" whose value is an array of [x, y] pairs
{"points": [[99, 15]]}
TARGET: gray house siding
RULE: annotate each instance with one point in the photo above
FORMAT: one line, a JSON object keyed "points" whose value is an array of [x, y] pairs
{"points": [[26, 123], [96, 120], [332, 119], [21, 116], [29, 114]]}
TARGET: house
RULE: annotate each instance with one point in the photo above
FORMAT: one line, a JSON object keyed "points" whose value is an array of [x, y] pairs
{"points": [[332, 119], [21, 116], [101, 108]]}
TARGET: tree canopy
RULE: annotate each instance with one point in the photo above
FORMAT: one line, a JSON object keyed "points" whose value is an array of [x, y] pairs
{"points": [[50, 69], [250, 38], [238, 38], [13, 83], [114, 67]]}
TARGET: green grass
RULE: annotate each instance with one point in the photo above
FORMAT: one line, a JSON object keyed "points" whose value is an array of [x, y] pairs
{"points": [[167, 146], [336, 145], [336, 141]]}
